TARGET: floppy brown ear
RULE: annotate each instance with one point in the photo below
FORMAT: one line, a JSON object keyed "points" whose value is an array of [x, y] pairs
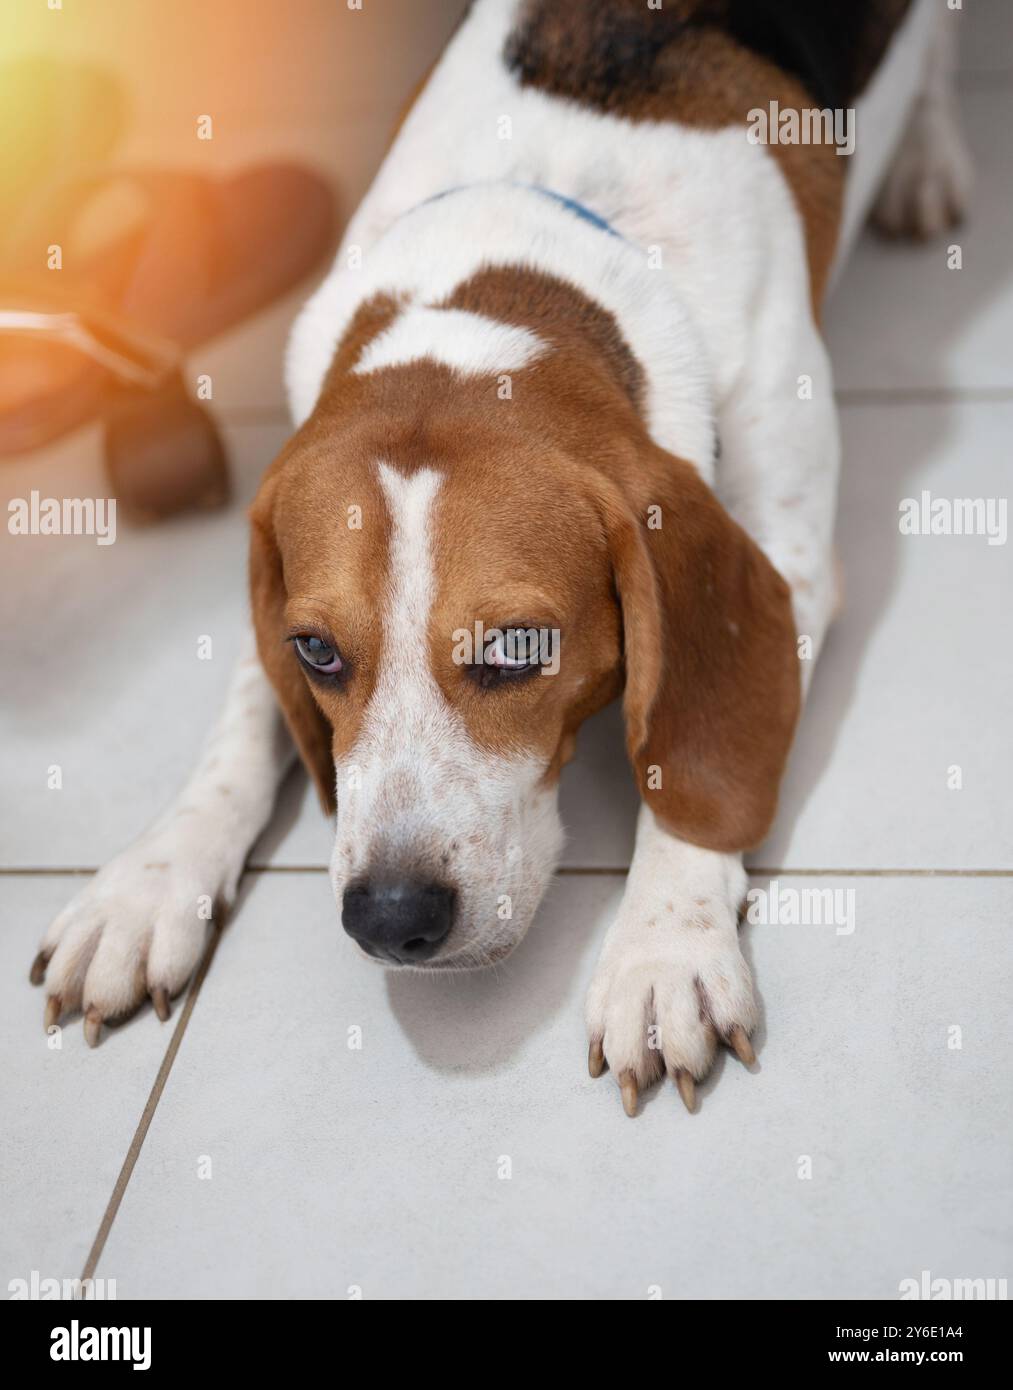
{"points": [[307, 724], [712, 680]]}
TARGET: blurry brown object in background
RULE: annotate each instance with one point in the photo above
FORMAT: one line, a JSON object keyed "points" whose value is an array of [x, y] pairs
{"points": [[147, 257]]}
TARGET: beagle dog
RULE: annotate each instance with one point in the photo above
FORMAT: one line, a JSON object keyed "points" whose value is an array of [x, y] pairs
{"points": [[564, 430]]}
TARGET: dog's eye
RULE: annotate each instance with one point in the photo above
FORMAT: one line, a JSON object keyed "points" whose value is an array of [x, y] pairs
{"points": [[509, 655], [320, 656], [512, 650]]}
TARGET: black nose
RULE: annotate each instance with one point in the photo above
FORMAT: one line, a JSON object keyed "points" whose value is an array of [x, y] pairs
{"points": [[398, 919]]}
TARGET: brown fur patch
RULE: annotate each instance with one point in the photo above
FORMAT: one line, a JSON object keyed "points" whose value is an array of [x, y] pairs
{"points": [[311, 571], [559, 313]]}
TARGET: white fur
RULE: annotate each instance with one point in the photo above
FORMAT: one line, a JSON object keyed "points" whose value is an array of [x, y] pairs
{"points": [[673, 946], [415, 793], [141, 922], [469, 343]]}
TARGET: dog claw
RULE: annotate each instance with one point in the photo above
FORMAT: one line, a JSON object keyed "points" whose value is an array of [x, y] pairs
{"points": [[741, 1046], [628, 1087], [687, 1089], [160, 1000], [92, 1026], [54, 1007], [595, 1057], [38, 971]]}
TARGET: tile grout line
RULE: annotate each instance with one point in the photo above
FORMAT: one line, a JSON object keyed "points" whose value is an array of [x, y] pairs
{"points": [[44, 871], [923, 395], [762, 870], [880, 873], [144, 1124]]}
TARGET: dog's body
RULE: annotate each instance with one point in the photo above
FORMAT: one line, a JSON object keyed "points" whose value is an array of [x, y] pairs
{"points": [[566, 376]]}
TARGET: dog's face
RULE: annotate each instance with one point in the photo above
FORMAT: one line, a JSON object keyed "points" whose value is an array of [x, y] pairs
{"points": [[440, 602], [453, 624]]}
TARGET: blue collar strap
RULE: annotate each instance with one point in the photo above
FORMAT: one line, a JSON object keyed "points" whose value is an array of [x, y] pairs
{"points": [[571, 204], [578, 209]]}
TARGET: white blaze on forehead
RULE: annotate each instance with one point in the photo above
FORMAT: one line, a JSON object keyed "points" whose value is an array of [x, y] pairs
{"points": [[411, 735], [453, 337], [411, 583], [407, 717]]}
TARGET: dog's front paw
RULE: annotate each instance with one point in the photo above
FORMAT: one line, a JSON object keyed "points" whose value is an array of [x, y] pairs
{"points": [[137, 929], [665, 993]]}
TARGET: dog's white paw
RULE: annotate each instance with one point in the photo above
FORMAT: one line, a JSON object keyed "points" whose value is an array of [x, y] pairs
{"points": [[928, 187], [666, 992], [137, 929]]}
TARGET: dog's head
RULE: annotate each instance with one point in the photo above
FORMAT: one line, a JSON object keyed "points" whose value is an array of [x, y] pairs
{"points": [[445, 584]]}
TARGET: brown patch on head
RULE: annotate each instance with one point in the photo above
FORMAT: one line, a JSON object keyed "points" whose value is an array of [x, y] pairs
{"points": [[506, 554], [318, 547], [708, 63]]}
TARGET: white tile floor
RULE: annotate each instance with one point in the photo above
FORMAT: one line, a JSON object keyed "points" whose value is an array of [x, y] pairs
{"points": [[378, 1168]]}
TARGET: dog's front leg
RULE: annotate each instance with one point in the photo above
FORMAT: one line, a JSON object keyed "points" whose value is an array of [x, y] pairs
{"points": [[671, 983], [139, 927]]}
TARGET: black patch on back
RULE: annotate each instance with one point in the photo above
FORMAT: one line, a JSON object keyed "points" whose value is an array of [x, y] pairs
{"points": [[832, 46], [604, 51]]}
